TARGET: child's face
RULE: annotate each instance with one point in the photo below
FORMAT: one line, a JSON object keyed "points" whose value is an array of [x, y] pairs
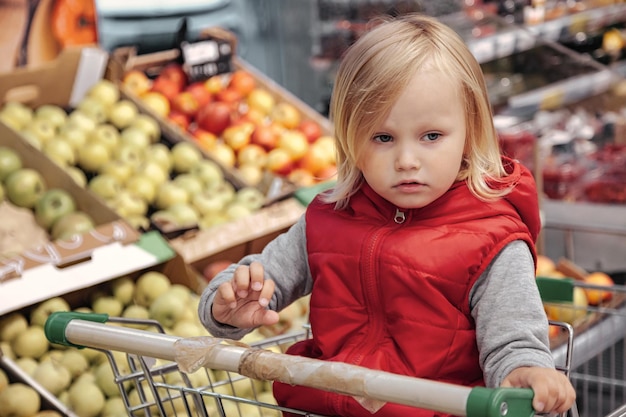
{"points": [[415, 155]]}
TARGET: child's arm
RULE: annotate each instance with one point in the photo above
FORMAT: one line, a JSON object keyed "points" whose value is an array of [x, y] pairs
{"points": [[553, 390], [285, 263]]}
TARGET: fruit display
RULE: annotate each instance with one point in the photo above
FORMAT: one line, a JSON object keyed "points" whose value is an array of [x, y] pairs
{"points": [[119, 154], [82, 379], [589, 290], [34, 212], [19, 399], [239, 122]]}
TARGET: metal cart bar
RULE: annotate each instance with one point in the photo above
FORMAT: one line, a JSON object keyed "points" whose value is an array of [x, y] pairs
{"points": [[90, 330]]}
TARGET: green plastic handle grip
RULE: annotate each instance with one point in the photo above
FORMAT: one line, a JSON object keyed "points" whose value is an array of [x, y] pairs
{"points": [[500, 402], [57, 322]]}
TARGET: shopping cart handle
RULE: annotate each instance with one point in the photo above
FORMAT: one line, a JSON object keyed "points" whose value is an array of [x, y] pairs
{"points": [[58, 320], [509, 402]]}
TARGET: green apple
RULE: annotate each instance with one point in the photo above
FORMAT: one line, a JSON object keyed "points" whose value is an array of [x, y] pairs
{"points": [[237, 210], [143, 187], [114, 407], [71, 224], [123, 171], [105, 92], [107, 134], [41, 129], [184, 156], [161, 154], [250, 197], [207, 203], [82, 121], [11, 325], [184, 214], [149, 286], [10, 161], [105, 186], [31, 138], [168, 194], [105, 380], [74, 362], [136, 312], [208, 172], [190, 183], [93, 155], [27, 365], [167, 309], [108, 305], [60, 151], [31, 343], [149, 125], [19, 400], [86, 399], [73, 135], [122, 113], [42, 311], [52, 376], [134, 136], [127, 204], [53, 204], [93, 108], [15, 114], [138, 222], [25, 187], [122, 288], [53, 113], [154, 171], [226, 191], [77, 174]]}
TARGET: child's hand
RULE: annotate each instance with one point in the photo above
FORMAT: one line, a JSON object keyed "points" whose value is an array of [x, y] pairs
{"points": [[242, 302], [553, 390]]}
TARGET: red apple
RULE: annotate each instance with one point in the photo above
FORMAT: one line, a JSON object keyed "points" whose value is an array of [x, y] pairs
{"points": [[279, 161], [214, 268], [315, 161], [237, 136], [166, 87], [261, 99], [200, 92], [214, 117], [242, 81], [185, 102], [311, 129], [215, 84], [295, 143], [174, 73], [265, 136], [179, 119], [301, 177], [327, 173], [252, 154], [137, 82], [156, 102], [286, 114], [230, 96], [205, 139]]}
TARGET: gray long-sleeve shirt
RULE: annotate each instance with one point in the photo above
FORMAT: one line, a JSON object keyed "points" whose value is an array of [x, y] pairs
{"points": [[511, 326]]}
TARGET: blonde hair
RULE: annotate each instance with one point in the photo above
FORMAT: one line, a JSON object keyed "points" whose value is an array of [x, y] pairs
{"points": [[372, 75]]}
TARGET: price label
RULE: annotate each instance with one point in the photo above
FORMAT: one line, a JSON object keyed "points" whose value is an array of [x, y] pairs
{"points": [[206, 58]]}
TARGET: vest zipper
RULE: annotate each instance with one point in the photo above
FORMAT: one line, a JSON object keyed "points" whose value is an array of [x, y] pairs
{"points": [[399, 217]]}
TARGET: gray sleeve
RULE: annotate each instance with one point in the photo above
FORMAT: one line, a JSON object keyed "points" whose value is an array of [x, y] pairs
{"points": [[284, 260], [511, 325]]}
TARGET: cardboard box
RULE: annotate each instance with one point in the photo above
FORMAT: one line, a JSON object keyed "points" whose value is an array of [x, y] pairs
{"points": [[232, 241]]}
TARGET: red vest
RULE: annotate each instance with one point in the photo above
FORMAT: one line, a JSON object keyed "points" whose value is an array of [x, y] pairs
{"points": [[395, 296]]}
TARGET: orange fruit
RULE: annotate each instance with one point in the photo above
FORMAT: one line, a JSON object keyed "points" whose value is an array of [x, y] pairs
{"points": [[596, 296]]}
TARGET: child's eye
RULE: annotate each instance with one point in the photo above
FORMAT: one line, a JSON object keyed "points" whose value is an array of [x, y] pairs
{"points": [[430, 137], [382, 138]]}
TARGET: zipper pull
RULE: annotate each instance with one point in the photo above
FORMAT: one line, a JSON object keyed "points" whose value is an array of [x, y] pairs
{"points": [[399, 218]]}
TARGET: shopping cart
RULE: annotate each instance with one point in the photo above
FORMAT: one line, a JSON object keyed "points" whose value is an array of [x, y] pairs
{"points": [[161, 374], [597, 355]]}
